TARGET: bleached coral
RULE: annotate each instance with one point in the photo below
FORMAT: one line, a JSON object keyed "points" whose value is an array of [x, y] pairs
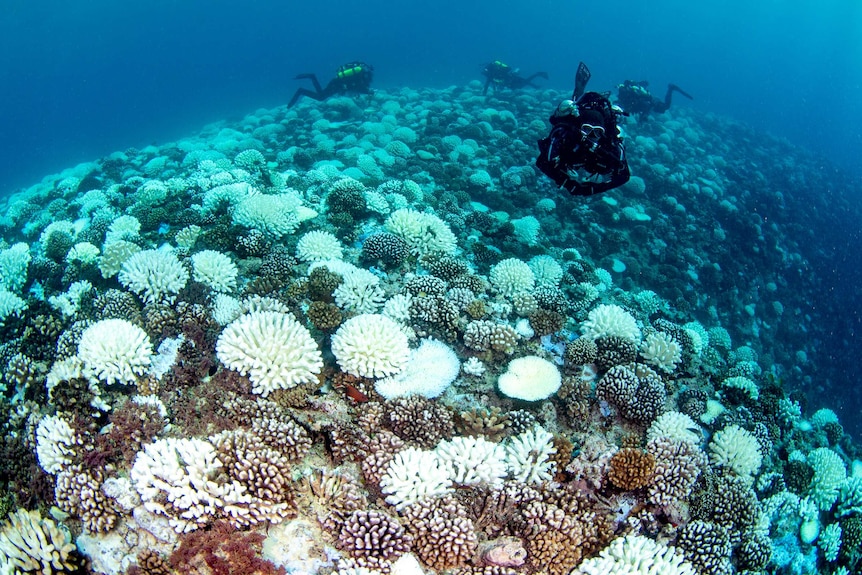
{"points": [[412, 475], [30, 543], [318, 246], [215, 270], [736, 449], [546, 270], [359, 292], [176, 478], [512, 277], [528, 456], [661, 351], [677, 426], [114, 255], [370, 345], [530, 378], [636, 555], [115, 350], [829, 476], [272, 348], [55, 443], [14, 262], [743, 384], [611, 320], [431, 368], [275, 216], [10, 305], [473, 460], [155, 275], [424, 233]]}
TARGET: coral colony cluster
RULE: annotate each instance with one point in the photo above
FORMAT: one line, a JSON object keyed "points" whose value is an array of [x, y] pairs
{"points": [[362, 337]]}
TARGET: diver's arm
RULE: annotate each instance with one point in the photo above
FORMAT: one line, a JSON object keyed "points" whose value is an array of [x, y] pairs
{"points": [[620, 175]]}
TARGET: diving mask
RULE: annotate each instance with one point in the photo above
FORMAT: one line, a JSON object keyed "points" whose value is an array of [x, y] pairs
{"points": [[591, 135]]}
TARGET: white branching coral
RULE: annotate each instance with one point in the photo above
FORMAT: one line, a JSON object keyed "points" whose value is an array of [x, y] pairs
{"points": [[215, 270], [512, 277], [425, 233], [155, 275], [636, 555], [414, 474], [55, 443], [30, 543], [272, 348], [736, 449], [275, 216], [115, 350], [318, 246], [677, 426], [370, 345], [176, 478], [473, 460], [611, 320], [528, 456], [359, 292], [662, 351]]}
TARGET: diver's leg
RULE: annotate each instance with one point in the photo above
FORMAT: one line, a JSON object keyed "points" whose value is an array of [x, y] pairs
{"points": [[318, 95], [313, 79], [676, 88], [531, 77]]}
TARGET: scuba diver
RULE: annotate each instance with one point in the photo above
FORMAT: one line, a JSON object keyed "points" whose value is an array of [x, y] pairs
{"points": [[352, 78], [584, 152], [635, 98], [499, 76]]}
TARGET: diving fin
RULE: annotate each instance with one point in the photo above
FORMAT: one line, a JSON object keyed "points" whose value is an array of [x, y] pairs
{"points": [[581, 79], [680, 90]]}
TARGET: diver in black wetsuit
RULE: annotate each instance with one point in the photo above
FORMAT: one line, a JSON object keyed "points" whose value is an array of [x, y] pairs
{"points": [[584, 152], [500, 76], [352, 78], [635, 98]]}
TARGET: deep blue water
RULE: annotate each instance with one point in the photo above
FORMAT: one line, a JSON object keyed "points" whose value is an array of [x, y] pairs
{"points": [[83, 79]]}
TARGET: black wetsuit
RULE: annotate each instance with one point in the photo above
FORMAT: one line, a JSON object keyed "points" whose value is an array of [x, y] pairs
{"points": [[352, 78], [500, 76], [635, 98], [574, 164]]}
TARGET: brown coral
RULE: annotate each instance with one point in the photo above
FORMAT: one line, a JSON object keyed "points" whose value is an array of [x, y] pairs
{"points": [[443, 537], [631, 468]]}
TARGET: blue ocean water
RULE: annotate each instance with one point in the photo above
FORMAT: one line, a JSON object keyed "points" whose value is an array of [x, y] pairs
{"points": [[84, 79]]}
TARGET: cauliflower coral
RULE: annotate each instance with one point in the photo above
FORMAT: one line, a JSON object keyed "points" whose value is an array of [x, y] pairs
{"points": [[272, 348], [370, 345], [115, 350]]}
